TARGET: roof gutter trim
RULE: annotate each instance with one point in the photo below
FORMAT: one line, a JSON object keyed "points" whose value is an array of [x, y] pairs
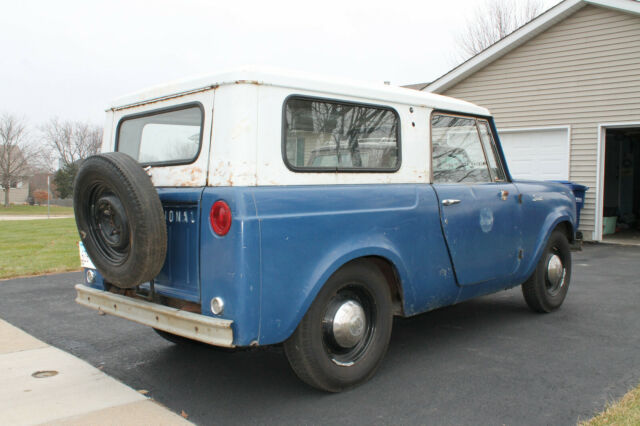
{"points": [[625, 6]]}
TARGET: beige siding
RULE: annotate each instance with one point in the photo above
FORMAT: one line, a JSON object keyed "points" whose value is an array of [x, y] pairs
{"points": [[581, 72], [16, 195]]}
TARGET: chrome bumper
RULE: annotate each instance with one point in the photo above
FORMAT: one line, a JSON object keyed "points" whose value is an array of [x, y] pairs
{"points": [[214, 331]]}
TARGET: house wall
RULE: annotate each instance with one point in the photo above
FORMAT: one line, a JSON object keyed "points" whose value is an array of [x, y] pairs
{"points": [[581, 72], [16, 195]]}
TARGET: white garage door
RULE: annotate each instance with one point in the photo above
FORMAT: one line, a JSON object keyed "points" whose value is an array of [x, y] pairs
{"points": [[539, 154]]}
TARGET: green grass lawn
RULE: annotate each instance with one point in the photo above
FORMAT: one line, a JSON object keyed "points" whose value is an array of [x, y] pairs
{"points": [[30, 247], [625, 412], [24, 210]]}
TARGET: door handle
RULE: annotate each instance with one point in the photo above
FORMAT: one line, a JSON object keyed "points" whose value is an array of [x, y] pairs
{"points": [[504, 194], [449, 202]]}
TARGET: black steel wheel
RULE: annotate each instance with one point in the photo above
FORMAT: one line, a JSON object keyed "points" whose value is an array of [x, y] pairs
{"points": [[344, 335], [547, 287], [120, 219]]}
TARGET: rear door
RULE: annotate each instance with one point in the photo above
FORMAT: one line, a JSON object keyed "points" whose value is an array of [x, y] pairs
{"points": [[172, 140], [479, 208]]}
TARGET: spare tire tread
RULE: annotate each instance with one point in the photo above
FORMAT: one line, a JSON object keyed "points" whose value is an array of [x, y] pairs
{"points": [[123, 176]]}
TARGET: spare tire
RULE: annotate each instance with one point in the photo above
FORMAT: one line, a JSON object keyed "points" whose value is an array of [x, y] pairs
{"points": [[120, 219]]}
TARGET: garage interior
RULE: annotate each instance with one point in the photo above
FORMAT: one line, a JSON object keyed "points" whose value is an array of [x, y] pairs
{"points": [[621, 207]]}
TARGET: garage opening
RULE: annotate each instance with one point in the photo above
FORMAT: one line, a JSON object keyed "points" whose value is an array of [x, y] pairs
{"points": [[621, 204]]}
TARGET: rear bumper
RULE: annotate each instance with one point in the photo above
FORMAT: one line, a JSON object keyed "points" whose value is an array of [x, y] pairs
{"points": [[214, 331]]}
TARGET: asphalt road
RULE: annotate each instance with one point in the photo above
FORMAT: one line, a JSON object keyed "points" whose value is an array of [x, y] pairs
{"points": [[488, 361]]}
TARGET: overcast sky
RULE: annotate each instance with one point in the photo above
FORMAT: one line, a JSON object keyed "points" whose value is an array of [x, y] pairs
{"points": [[70, 58]]}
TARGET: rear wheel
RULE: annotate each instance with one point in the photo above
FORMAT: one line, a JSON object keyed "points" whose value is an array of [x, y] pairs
{"points": [[344, 335], [547, 287]]}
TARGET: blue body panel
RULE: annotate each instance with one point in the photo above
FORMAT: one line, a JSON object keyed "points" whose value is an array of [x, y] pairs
{"points": [[180, 277], [482, 229], [285, 242], [544, 206], [230, 265], [309, 232]]}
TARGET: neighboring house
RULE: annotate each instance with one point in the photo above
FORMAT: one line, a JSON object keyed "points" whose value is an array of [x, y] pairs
{"points": [[565, 93], [19, 184], [18, 193]]}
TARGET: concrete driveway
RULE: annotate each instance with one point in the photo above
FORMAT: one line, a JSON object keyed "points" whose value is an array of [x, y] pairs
{"points": [[487, 361]]}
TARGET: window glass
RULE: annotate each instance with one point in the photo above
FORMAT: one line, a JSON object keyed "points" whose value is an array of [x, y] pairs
{"points": [[490, 148], [322, 135], [165, 137], [457, 150]]}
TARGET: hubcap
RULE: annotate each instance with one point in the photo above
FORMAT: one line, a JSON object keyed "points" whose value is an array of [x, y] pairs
{"points": [[349, 324], [555, 274]]}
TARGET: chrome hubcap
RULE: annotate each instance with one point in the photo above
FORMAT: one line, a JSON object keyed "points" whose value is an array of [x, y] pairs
{"points": [[349, 324], [555, 274]]}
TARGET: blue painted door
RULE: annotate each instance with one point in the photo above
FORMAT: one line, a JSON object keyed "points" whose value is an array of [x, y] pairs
{"points": [[479, 208], [480, 223]]}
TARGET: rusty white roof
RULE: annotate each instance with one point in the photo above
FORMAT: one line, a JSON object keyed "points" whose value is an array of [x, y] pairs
{"points": [[324, 86]]}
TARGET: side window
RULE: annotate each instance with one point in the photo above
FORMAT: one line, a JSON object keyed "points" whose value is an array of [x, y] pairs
{"points": [[457, 150], [490, 149], [334, 136]]}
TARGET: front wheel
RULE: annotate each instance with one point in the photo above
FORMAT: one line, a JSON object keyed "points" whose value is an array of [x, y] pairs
{"points": [[547, 287], [344, 335]]}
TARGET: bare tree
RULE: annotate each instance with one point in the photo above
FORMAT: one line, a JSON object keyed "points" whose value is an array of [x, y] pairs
{"points": [[14, 153], [72, 140], [493, 20]]}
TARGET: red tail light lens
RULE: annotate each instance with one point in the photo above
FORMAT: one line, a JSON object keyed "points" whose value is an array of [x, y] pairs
{"points": [[220, 218]]}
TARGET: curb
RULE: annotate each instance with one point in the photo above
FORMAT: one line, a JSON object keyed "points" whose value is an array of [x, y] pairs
{"points": [[44, 385]]}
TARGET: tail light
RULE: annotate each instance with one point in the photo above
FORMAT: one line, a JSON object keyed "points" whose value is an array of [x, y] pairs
{"points": [[220, 218]]}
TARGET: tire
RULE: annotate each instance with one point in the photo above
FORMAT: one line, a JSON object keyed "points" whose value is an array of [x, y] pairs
{"points": [[333, 358], [547, 287], [120, 219]]}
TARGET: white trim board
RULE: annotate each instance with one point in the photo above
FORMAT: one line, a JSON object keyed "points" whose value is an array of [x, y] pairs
{"points": [[600, 163]]}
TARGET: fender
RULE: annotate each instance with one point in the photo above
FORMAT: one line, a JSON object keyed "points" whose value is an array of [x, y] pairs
{"points": [[545, 205], [552, 221], [327, 266], [384, 251]]}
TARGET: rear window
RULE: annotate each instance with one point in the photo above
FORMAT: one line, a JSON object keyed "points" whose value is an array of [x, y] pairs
{"points": [[162, 137], [323, 135]]}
